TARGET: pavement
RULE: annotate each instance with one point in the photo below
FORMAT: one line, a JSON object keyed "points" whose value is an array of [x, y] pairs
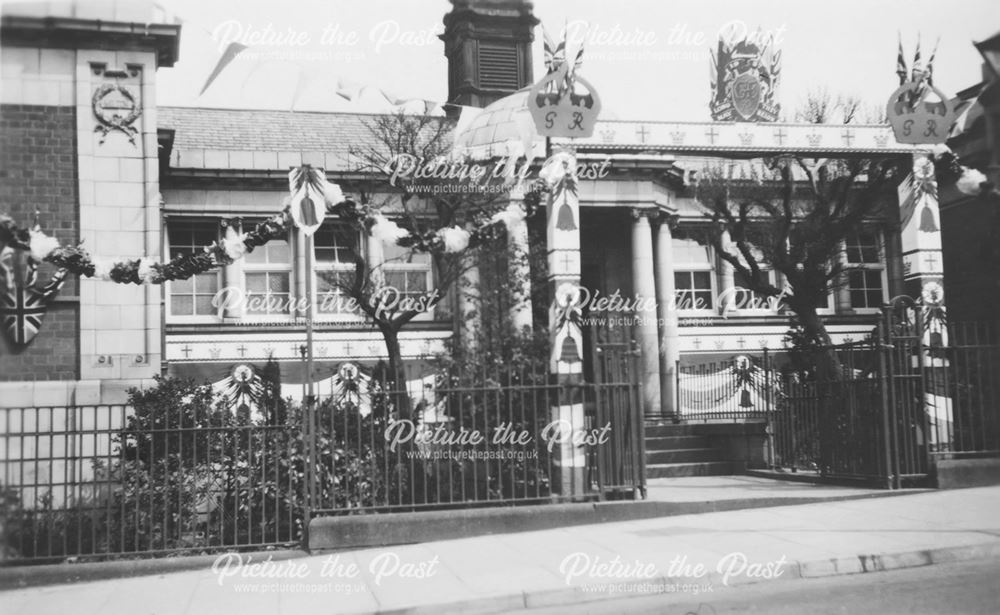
{"points": [[692, 554], [751, 488]]}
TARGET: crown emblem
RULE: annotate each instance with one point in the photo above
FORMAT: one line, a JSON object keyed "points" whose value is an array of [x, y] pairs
{"points": [[814, 139], [746, 138], [915, 120], [881, 140], [557, 105], [214, 352], [677, 137], [608, 136]]}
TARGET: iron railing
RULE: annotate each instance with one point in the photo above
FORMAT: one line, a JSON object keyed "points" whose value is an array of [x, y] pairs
{"points": [[476, 435], [94, 482], [901, 400], [102, 481], [737, 389]]}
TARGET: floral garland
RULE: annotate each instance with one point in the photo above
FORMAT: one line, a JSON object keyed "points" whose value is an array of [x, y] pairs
{"points": [[76, 260], [948, 169]]}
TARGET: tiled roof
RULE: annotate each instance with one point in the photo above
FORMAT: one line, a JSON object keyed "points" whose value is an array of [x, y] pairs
{"points": [[260, 139]]}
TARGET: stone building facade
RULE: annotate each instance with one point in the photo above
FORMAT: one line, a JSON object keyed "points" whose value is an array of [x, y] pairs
{"points": [[68, 70], [160, 184]]}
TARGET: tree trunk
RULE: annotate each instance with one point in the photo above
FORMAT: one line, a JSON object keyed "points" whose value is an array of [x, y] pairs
{"points": [[828, 386], [819, 343], [397, 378]]}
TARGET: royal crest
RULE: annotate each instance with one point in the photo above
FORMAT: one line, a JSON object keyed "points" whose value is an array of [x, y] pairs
{"points": [[745, 78], [116, 109]]}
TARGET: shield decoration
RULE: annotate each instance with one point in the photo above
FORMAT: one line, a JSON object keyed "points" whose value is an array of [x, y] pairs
{"points": [[23, 305], [746, 95], [308, 206]]}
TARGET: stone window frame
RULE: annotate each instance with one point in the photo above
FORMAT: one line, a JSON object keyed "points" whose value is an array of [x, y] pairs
{"points": [[170, 287], [865, 267], [691, 267], [249, 266], [390, 265], [333, 266]]}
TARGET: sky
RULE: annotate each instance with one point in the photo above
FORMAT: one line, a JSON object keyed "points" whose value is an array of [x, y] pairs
{"points": [[647, 58]]}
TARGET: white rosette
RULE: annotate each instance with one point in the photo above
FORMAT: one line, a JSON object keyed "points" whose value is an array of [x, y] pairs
{"points": [[41, 245], [455, 239]]}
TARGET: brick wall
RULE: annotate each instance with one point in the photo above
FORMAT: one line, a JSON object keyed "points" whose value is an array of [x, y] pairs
{"points": [[38, 171], [969, 233]]}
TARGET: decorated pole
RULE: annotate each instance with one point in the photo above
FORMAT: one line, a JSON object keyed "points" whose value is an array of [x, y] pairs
{"points": [[558, 110], [919, 121]]}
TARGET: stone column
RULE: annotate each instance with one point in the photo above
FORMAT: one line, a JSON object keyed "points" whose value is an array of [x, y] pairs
{"points": [[644, 288], [520, 277], [842, 294], [232, 276], [119, 213], [727, 279], [468, 294], [667, 313]]}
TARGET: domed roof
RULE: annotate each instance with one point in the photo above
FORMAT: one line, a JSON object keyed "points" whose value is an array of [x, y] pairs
{"points": [[503, 127]]}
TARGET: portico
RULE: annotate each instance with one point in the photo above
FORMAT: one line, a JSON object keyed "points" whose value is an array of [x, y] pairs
{"points": [[646, 205]]}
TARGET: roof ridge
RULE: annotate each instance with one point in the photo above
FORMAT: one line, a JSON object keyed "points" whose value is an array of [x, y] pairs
{"points": [[281, 111]]}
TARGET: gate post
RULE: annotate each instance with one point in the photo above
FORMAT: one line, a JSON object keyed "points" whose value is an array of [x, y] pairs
{"points": [[566, 359], [923, 279], [884, 384]]}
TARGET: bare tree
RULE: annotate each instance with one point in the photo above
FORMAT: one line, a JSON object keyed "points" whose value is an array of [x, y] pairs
{"points": [[793, 215], [821, 107], [421, 204]]}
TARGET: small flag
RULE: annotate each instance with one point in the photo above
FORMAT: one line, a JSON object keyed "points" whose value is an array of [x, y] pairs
{"points": [[930, 63], [901, 63], [232, 50]]}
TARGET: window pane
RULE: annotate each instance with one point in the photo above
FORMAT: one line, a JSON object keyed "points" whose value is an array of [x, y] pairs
{"points": [[336, 243], [203, 305], [417, 281], [278, 282], [396, 279], [278, 251], [393, 254], [863, 247], [702, 280], [682, 280], [181, 305], [684, 299], [190, 236], [180, 287], [259, 255], [256, 282], [689, 251], [206, 283]]}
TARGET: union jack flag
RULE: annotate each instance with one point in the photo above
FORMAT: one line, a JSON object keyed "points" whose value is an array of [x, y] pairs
{"points": [[23, 305]]}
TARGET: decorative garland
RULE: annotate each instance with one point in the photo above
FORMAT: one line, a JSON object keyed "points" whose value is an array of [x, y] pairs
{"points": [[235, 245], [948, 169]]}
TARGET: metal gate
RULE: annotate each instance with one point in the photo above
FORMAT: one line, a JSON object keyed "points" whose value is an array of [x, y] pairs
{"points": [[918, 389], [612, 398]]}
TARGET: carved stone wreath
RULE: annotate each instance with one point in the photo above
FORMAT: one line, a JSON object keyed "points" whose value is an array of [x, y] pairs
{"points": [[108, 119]]}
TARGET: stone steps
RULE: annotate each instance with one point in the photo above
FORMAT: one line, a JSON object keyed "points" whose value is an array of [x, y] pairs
{"points": [[704, 468], [687, 449]]}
